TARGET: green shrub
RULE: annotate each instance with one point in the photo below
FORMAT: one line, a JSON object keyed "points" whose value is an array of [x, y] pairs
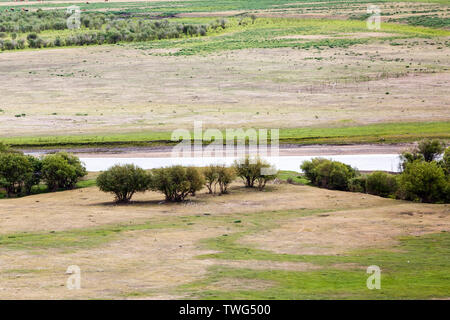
{"points": [[175, 182], [254, 170], [381, 184], [427, 150], [62, 171], [409, 157], [328, 174], [218, 175], [225, 177], [430, 149], [124, 181], [195, 178], [211, 175], [35, 177], [309, 168], [7, 149], [424, 181], [15, 170], [358, 184]]}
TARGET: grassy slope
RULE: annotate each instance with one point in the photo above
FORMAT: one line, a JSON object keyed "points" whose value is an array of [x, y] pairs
{"points": [[418, 267]]}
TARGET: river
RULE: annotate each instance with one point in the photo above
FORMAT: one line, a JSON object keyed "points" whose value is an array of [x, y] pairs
{"points": [[363, 162]]}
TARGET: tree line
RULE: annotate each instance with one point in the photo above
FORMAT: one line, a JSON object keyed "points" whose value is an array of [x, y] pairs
{"points": [[424, 177]]}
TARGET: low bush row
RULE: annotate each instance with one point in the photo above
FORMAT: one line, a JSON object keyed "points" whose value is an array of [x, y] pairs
{"points": [[97, 29], [177, 182], [425, 175], [19, 173]]}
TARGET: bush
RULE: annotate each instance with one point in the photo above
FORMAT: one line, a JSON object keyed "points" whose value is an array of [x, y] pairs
{"points": [[424, 181], [175, 182], [218, 175], [309, 168], [357, 184], [34, 178], [211, 175], [124, 181], [225, 177], [381, 184], [15, 170], [7, 149], [426, 150], [62, 171], [195, 178], [445, 162], [254, 170], [328, 174], [430, 149]]}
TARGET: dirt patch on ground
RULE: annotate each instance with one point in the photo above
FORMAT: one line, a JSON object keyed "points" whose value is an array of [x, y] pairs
{"points": [[341, 231], [91, 208]]}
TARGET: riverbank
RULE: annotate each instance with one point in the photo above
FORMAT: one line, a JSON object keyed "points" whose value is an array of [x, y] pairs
{"points": [[284, 150], [379, 134]]}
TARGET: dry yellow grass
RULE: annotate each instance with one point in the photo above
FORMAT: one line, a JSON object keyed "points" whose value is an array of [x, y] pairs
{"points": [[152, 263]]}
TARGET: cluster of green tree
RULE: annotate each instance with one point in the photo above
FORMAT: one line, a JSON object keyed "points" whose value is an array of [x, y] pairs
{"points": [[19, 173], [425, 175], [96, 29], [178, 182]]}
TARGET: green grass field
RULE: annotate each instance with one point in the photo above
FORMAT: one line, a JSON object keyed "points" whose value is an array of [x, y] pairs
{"points": [[406, 271], [378, 133]]}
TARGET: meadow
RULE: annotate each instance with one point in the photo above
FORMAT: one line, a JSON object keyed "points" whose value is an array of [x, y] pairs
{"points": [[224, 247], [324, 73], [137, 70]]}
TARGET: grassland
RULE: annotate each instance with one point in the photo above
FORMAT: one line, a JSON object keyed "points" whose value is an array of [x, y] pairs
{"points": [[311, 75], [213, 247], [299, 75], [379, 133]]}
